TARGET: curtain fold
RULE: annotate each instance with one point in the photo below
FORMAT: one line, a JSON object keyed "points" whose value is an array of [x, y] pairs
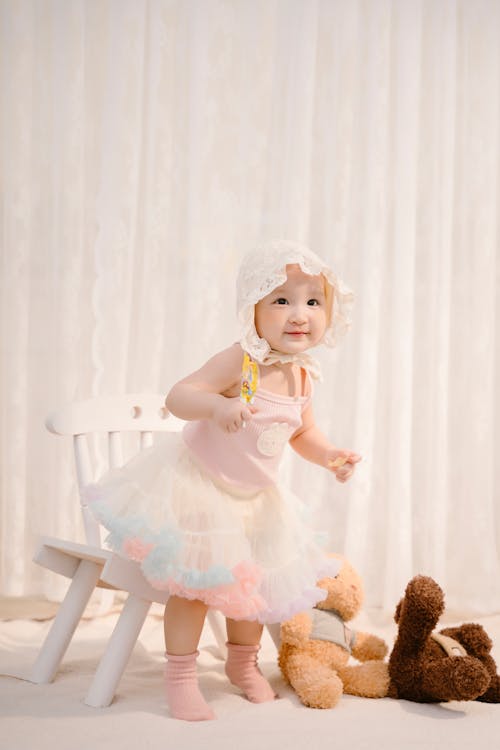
{"points": [[145, 146]]}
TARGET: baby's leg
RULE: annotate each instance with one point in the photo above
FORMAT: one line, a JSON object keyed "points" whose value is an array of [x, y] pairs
{"points": [[241, 666], [183, 625]]}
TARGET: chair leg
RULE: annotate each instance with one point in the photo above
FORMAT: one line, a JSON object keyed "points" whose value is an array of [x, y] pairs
{"points": [[68, 616], [117, 654]]}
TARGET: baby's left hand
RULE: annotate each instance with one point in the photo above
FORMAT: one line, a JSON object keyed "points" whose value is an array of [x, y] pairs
{"points": [[342, 464]]}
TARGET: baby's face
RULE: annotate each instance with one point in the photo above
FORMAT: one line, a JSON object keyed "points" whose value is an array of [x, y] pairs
{"points": [[293, 318]]}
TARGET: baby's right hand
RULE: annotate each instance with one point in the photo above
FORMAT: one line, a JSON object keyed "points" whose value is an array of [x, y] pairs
{"points": [[231, 414]]}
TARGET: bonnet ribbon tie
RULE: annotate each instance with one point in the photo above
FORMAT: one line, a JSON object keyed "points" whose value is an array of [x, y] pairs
{"points": [[304, 360]]}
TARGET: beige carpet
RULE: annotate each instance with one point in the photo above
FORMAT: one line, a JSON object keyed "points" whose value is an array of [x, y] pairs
{"points": [[54, 716]]}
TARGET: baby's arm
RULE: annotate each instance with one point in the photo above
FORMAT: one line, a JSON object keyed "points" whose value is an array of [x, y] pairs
{"points": [[201, 394], [310, 443]]}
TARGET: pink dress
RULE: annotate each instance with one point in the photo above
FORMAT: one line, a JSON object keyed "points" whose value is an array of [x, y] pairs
{"points": [[206, 517]]}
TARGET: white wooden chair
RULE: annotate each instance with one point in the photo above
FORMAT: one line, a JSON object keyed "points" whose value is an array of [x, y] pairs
{"points": [[89, 565]]}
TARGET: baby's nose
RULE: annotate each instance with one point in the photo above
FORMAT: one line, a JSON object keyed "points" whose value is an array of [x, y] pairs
{"points": [[298, 314]]}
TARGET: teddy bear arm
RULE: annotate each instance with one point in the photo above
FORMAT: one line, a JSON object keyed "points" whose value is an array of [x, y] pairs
{"points": [[492, 694], [368, 647], [477, 642], [297, 629], [455, 678]]}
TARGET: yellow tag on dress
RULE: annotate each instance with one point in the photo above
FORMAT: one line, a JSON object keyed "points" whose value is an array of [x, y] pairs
{"points": [[249, 379]]}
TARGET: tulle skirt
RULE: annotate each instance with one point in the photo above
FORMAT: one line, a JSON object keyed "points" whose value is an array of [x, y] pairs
{"points": [[248, 553]]}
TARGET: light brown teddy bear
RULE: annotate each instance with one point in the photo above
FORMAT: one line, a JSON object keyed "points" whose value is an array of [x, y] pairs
{"points": [[316, 646]]}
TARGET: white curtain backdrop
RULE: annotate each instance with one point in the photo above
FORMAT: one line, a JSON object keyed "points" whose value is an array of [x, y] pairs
{"points": [[145, 145]]}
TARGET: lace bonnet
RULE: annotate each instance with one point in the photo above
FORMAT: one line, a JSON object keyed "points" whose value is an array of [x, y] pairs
{"points": [[264, 269]]}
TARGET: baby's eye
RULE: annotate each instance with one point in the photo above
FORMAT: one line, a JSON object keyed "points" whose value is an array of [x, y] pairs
{"points": [[281, 301], [312, 302]]}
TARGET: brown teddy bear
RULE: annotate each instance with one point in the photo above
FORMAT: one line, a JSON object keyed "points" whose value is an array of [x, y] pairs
{"points": [[316, 646], [454, 664]]}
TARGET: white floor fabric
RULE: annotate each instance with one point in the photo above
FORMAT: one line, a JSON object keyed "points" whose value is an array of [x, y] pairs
{"points": [[39, 717]]}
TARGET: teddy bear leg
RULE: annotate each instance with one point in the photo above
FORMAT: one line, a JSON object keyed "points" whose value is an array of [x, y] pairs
{"points": [[317, 685], [371, 679], [455, 678], [417, 614], [477, 642]]}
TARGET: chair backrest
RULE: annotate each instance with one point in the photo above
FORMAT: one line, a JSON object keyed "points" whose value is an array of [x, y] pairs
{"points": [[139, 413]]}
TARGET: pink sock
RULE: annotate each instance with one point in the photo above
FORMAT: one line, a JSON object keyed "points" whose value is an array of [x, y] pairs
{"points": [[242, 670], [181, 687]]}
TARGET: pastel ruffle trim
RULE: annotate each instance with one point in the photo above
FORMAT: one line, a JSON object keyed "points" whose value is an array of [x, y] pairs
{"points": [[238, 600], [234, 592], [156, 551]]}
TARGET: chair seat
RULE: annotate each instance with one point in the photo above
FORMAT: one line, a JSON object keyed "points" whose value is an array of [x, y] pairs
{"points": [[64, 557]]}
